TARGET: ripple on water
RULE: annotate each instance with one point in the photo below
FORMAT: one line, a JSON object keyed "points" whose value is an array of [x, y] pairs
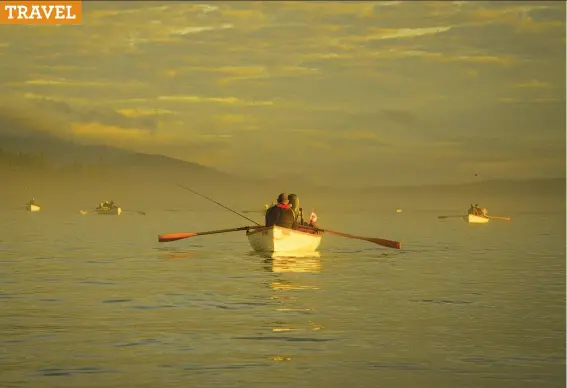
{"points": [[152, 307], [73, 371], [143, 342], [441, 301], [116, 300], [286, 338]]}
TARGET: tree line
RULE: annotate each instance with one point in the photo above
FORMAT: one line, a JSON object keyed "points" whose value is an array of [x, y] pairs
{"points": [[22, 161]]}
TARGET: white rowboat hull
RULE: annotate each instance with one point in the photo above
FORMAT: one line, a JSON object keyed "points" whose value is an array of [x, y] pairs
{"points": [[283, 241], [32, 208], [112, 212], [472, 219]]}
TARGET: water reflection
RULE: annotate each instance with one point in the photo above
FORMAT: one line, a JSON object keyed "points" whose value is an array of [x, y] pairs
{"points": [[296, 310], [176, 253], [293, 264]]}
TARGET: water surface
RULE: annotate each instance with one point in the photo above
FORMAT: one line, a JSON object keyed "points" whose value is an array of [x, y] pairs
{"points": [[96, 301]]}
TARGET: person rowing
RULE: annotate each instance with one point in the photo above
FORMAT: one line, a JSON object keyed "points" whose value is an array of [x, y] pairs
{"points": [[281, 213], [472, 209], [475, 210]]}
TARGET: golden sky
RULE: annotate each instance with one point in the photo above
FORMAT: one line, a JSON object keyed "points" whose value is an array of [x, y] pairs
{"points": [[391, 92]]}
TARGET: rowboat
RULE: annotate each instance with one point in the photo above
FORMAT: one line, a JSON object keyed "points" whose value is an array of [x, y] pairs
{"points": [[472, 219], [32, 208], [115, 211], [278, 240]]}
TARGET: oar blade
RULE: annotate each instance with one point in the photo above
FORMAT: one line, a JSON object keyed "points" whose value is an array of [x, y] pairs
{"points": [[386, 243], [174, 236]]}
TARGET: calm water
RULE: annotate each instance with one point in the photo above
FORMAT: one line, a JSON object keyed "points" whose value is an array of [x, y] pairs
{"points": [[96, 301]]}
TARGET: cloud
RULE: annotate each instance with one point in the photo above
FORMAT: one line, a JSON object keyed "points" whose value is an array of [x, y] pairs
{"points": [[346, 85], [65, 82], [400, 33], [112, 134], [533, 84], [107, 127], [507, 99], [219, 100], [138, 112], [198, 29]]}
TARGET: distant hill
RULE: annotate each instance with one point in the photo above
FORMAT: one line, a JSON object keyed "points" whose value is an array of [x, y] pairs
{"points": [[58, 154], [30, 151]]}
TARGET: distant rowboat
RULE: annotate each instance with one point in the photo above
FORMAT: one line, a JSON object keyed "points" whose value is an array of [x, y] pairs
{"points": [[115, 211], [32, 208], [472, 219], [278, 240]]}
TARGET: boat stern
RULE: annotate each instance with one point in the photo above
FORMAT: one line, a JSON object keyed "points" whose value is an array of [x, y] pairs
{"points": [[283, 240]]}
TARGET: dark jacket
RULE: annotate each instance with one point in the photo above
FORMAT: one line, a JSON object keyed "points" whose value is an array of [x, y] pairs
{"points": [[280, 215]]}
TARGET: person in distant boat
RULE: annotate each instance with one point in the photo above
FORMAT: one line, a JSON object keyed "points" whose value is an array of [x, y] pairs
{"points": [[281, 213], [471, 209], [32, 202], [111, 204], [477, 211], [484, 212]]}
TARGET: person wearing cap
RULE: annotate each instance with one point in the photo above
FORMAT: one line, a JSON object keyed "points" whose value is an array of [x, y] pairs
{"points": [[281, 214]]}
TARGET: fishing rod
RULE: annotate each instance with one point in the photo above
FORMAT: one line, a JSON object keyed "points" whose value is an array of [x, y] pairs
{"points": [[220, 204]]}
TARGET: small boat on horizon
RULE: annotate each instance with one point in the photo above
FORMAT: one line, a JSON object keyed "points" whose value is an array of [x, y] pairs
{"points": [[475, 215], [474, 219], [108, 208], [32, 206]]}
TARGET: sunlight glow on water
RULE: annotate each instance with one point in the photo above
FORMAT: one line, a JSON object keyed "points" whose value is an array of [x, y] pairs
{"points": [[90, 301]]}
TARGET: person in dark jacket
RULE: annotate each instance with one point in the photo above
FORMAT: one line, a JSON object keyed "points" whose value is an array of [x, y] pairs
{"points": [[281, 213]]}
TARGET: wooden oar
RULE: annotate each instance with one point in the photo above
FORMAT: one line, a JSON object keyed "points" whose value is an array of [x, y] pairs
{"points": [[455, 216], [379, 241], [180, 236], [498, 218]]}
